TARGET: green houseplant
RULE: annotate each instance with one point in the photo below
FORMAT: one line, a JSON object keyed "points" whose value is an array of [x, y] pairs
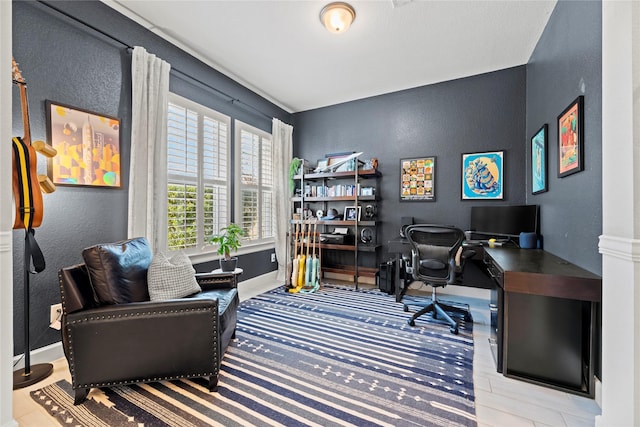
{"points": [[294, 167], [228, 240]]}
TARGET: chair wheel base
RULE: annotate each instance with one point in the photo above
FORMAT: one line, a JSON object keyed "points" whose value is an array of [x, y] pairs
{"points": [[454, 331]]}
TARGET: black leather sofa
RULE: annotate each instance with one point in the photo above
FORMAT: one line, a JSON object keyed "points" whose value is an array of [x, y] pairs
{"points": [[141, 340]]}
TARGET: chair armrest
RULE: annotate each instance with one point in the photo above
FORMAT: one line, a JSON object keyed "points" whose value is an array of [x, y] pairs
{"points": [[209, 281], [144, 308]]}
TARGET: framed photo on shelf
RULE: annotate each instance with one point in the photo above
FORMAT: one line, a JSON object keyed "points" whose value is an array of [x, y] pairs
{"points": [[571, 138], [483, 176], [539, 168], [352, 213], [417, 179], [88, 146]]}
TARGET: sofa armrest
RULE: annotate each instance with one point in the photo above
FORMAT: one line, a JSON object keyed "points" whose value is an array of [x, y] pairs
{"points": [[209, 281], [150, 341]]}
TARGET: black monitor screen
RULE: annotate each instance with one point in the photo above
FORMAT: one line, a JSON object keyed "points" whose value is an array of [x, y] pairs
{"points": [[504, 220]]}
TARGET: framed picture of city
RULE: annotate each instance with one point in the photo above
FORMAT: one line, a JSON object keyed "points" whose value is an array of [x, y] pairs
{"points": [[87, 145]]}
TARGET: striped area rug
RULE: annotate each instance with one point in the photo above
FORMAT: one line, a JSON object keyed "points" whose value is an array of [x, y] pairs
{"points": [[337, 357]]}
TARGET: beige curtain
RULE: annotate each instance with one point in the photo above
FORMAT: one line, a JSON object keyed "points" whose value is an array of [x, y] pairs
{"points": [[148, 167], [282, 135]]}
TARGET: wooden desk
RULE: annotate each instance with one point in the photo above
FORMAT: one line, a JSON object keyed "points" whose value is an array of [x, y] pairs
{"points": [[546, 318]]}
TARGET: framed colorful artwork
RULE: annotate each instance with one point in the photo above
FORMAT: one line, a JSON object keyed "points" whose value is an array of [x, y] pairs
{"points": [[88, 146], [483, 176], [571, 138], [418, 179], [539, 182]]}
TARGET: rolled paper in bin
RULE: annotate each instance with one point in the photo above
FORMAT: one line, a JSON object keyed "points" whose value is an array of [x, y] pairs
{"points": [[528, 240]]}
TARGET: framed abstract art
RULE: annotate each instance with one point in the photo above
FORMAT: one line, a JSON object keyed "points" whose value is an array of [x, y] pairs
{"points": [[88, 146], [539, 181], [417, 179], [571, 139]]}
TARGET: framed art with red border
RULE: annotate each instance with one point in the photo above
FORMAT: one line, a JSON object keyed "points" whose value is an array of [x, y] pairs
{"points": [[571, 138]]}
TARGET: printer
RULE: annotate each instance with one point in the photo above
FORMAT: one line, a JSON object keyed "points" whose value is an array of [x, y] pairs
{"points": [[339, 236]]}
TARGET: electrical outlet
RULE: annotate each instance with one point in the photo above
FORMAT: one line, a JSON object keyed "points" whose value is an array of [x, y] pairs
{"points": [[273, 257], [55, 315]]}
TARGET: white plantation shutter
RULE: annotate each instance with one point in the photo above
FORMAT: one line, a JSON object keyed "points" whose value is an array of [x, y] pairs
{"points": [[215, 174], [197, 172], [255, 209], [266, 189]]}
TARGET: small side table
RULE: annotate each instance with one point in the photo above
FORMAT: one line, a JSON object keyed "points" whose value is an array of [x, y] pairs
{"points": [[219, 274]]}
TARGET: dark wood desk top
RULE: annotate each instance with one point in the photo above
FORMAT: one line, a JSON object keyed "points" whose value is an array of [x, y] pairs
{"points": [[536, 272]]}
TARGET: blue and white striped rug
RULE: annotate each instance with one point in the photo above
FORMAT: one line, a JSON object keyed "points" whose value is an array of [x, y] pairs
{"points": [[336, 357]]}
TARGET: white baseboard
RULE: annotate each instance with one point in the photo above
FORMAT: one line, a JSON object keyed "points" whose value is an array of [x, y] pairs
{"points": [[257, 285], [46, 354]]}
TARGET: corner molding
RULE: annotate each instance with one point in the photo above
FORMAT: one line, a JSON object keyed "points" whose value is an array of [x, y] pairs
{"points": [[620, 247]]}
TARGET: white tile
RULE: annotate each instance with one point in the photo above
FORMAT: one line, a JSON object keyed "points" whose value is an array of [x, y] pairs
{"points": [[36, 418], [576, 421], [488, 416], [544, 396], [521, 408], [481, 384]]}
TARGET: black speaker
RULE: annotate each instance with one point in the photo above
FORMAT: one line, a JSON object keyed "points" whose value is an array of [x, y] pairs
{"points": [[366, 235]]}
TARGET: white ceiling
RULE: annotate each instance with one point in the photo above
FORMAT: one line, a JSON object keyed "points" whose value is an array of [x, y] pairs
{"points": [[280, 49]]}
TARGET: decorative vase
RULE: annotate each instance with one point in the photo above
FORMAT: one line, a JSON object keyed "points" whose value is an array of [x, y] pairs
{"points": [[228, 265]]}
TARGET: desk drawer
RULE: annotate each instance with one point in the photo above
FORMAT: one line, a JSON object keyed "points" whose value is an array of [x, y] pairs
{"points": [[494, 271]]}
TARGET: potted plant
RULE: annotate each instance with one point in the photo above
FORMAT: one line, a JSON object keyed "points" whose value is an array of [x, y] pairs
{"points": [[294, 167], [228, 240]]}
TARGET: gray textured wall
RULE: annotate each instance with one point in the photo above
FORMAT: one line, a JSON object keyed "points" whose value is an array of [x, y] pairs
{"points": [[567, 62], [474, 114], [65, 61]]}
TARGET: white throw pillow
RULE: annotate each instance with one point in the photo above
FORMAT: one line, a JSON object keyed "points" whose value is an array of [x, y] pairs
{"points": [[171, 277]]}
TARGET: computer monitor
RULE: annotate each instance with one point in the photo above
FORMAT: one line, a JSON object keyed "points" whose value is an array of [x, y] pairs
{"points": [[508, 221]]}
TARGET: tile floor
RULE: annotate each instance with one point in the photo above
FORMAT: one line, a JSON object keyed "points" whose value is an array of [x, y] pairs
{"points": [[500, 401]]}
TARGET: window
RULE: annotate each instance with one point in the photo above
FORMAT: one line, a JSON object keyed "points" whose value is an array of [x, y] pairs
{"points": [[198, 142], [254, 178]]}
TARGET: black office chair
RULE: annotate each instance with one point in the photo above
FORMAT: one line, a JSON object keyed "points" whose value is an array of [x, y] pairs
{"points": [[437, 260]]}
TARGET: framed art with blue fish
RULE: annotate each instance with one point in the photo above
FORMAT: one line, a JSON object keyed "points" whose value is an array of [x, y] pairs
{"points": [[483, 176], [539, 161]]}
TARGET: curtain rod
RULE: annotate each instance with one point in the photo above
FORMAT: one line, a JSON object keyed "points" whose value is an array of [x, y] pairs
{"points": [[218, 92]]}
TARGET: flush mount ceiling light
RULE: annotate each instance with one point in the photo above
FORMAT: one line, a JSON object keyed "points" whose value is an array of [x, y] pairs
{"points": [[337, 17]]}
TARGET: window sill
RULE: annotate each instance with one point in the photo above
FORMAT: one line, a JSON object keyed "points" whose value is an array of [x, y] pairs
{"points": [[213, 255]]}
